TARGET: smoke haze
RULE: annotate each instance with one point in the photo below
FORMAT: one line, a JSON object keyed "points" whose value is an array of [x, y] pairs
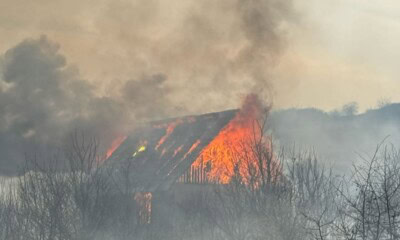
{"points": [[104, 67], [204, 59], [340, 137]]}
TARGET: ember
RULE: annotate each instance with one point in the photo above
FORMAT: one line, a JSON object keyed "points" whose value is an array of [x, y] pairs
{"points": [[141, 148]]}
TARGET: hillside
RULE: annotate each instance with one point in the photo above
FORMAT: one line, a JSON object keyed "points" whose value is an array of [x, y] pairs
{"points": [[338, 137]]}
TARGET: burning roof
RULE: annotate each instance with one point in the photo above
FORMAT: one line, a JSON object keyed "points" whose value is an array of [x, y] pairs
{"points": [[162, 151]]}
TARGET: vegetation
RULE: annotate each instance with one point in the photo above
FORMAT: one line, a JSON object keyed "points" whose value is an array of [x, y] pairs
{"points": [[284, 195]]}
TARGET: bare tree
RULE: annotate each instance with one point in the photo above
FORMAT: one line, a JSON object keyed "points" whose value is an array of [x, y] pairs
{"points": [[8, 210], [370, 199], [65, 197], [315, 191], [275, 194], [259, 202]]}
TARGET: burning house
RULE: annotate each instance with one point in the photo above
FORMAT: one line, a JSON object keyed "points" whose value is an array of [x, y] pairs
{"points": [[169, 154]]}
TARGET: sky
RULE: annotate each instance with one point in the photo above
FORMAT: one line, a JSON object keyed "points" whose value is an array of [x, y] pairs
{"points": [[344, 51], [105, 66], [330, 52]]}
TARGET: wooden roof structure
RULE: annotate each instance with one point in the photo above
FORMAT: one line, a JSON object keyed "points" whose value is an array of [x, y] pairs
{"points": [[157, 154]]}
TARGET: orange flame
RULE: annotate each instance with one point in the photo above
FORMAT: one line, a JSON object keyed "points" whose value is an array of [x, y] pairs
{"points": [[177, 150], [114, 145], [193, 147], [230, 152], [170, 128], [233, 143]]}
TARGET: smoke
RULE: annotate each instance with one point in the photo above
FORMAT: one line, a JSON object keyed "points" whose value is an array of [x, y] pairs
{"points": [[145, 92], [43, 100], [205, 58], [213, 52], [339, 137]]}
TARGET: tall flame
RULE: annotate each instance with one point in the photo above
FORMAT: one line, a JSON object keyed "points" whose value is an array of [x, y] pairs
{"points": [[230, 153], [228, 150]]}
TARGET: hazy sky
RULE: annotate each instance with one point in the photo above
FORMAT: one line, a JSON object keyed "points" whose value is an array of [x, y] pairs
{"points": [[344, 50], [331, 52]]}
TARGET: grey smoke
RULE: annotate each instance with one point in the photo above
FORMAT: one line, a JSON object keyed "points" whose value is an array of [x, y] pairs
{"points": [[145, 92], [218, 51], [213, 52], [338, 137], [43, 100]]}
